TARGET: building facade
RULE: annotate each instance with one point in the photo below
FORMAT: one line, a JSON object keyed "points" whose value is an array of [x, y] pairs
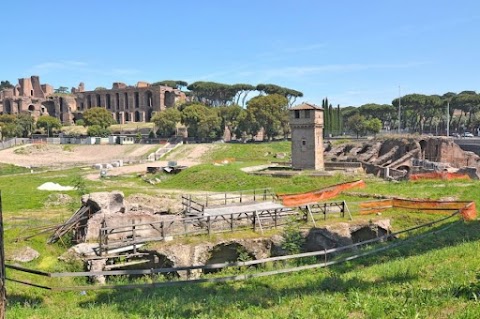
{"points": [[126, 103], [306, 124]]}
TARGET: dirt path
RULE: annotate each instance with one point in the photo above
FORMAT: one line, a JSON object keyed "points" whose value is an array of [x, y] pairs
{"points": [[56, 155], [186, 155]]}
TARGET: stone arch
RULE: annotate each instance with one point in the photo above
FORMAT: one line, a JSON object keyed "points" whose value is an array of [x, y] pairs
{"points": [[227, 252], [31, 108], [404, 168], [117, 101], [149, 99], [108, 101], [89, 101], [127, 117], [137, 116], [169, 100], [126, 100], [136, 100], [7, 106], [152, 260], [99, 102], [149, 115], [368, 232], [423, 147]]}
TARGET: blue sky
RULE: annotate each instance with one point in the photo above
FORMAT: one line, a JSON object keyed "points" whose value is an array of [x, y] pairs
{"points": [[353, 52]]}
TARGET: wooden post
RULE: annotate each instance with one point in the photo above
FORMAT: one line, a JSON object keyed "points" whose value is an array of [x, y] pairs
{"points": [[163, 229], [134, 237], [325, 211], [100, 241], [225, 198], [231, 222], [209, 225], [275, 218], [3, 294], [240, 197], [255, 221], [254, 195], [311, 215]]}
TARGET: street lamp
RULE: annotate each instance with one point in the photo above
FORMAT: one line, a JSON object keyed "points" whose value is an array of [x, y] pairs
{"points": [[399, 109]]}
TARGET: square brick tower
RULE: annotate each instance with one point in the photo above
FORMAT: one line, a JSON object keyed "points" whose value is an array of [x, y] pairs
{"points": [[306, 124]]}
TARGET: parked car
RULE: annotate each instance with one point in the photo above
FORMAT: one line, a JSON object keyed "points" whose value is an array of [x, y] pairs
{"points": [[467, 134], [455, 135]]}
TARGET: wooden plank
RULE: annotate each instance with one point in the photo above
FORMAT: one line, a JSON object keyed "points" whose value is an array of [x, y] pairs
{"points": [[249, 276]]}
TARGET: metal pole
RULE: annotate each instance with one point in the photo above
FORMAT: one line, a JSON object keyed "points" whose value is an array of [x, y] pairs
{"points": [[399, 110], [448, 118], [3, 295]]}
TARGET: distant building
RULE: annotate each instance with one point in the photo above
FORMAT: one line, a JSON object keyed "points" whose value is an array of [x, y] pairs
{"points": [[127, 103], [306, 124]]}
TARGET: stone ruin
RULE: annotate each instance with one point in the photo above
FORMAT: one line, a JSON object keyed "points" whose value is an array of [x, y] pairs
{"points": [[126, 103], [113, 210], [398, 157]]}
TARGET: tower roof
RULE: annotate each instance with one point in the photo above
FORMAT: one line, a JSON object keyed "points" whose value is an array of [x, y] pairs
{"points": [[307, 106]]}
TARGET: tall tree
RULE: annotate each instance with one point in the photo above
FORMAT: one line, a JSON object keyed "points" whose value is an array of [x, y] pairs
{"points": [[5, 85], [357, 124], [269, 112], [48, 123], [166, 121], [201, 121], [98, 116]]}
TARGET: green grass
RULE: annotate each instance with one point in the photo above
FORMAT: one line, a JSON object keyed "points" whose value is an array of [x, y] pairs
{"points": [[9, 169], [435, 277], [251, 152]]}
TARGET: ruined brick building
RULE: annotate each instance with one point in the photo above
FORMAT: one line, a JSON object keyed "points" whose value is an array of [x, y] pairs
{"points": [[126, 103]]}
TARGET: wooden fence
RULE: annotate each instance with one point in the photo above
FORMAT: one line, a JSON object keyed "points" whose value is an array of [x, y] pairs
{"points": [[323, 262], [115, 237]]}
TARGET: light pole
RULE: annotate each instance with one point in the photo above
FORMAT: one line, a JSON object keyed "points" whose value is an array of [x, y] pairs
{"points": [[399, 110]]}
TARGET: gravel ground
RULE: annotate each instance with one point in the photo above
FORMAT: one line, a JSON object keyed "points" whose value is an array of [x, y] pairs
{"points": [[57, 155]]}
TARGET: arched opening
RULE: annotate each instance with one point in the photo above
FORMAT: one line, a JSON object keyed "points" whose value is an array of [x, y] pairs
{"points": [[227, 253], [126, 100], [117, 101], [127, 117], [149, 115], [136, 100], [49, 108], [423, 147], [137, 116], [404, 168], [31, 107], [368, 232], [7, 107], [98, 100], [89, 101], [108, 101], [169, 99], [152, 260], [149, 98]]}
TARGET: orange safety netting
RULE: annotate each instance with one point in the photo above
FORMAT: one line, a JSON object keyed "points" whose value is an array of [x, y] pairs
{"points": [[315, 196], [438, 175], [466, 209]]}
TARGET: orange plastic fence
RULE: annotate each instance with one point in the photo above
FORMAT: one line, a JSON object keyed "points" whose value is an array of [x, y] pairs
{"points": [[467, 209], [438, 175], [315, 196]]}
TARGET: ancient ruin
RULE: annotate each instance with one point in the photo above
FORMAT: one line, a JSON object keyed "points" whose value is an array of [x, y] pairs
{"points": [[306, 123], [127, 103], [397, 157]]}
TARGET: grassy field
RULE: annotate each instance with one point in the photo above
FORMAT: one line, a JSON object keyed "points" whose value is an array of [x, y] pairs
{"points": [[435, 277]]}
